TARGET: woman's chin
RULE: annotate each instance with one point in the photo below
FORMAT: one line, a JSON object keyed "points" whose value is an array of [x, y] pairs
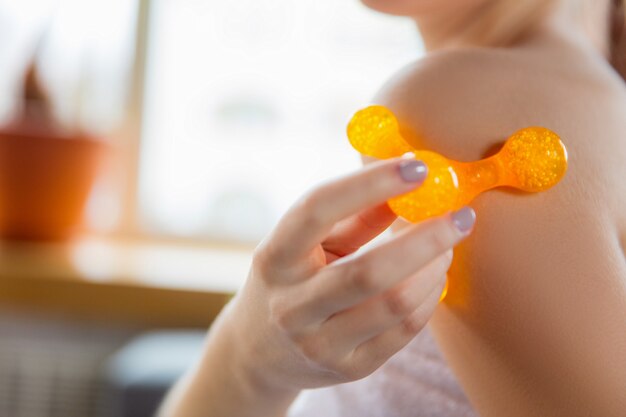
{"points": [[383, 6], [400, 7], [415, 8]]}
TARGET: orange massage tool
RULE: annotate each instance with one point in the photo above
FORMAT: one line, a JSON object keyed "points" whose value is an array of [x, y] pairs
{"points": [[533, 159]]}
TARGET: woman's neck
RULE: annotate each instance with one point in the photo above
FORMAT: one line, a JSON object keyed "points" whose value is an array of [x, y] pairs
{"points": [[470, 25], [444, 29]]}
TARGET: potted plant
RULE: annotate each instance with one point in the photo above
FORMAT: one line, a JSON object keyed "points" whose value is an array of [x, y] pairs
{"points": [[46, 171]]}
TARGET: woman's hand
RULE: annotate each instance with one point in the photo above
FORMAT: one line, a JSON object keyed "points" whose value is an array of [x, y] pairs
{"points": [[314, 312]]}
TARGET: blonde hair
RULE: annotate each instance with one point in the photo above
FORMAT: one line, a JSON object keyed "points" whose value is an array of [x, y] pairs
{"points": [[618, 37]]}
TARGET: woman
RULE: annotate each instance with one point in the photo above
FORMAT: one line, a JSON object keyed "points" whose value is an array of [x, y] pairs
{"points": [[533, 324]]}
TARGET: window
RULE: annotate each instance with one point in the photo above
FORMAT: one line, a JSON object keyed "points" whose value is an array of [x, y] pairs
{"points": [[222, 112], [246, 104]]}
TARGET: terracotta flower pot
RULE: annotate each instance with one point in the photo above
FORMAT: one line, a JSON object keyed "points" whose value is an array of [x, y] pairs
{"points": [[45, 181]]}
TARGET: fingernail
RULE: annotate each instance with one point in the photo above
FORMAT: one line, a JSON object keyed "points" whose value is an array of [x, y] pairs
{"points": [[464, 219], [413, 171]]}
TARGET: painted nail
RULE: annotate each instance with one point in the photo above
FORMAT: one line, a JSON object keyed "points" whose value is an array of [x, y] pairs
{"points": [[413, 171], [464, 219]]}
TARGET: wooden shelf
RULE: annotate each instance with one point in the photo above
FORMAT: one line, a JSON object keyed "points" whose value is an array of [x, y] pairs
{"points": [[138, 283]]}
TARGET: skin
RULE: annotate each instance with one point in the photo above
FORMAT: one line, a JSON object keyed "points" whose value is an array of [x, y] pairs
{"points": [[313, 312], [533, 324]]}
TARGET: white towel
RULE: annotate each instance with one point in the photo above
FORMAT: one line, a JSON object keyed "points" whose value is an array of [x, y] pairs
{"points": [[416, 382]]}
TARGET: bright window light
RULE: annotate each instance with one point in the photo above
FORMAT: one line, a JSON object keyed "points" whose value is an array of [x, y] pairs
{"points": [[246, 105]]}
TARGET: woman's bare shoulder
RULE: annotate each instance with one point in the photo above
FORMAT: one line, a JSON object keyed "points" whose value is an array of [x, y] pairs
{"points": [[529, 282], [440, 98], [462, 102], [435, 92], [465, 103]]}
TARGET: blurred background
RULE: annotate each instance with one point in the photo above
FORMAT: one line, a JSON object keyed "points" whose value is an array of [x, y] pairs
{"points": [[146, 146]]}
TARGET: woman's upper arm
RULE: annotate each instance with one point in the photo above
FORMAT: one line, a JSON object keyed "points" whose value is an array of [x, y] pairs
{"points": [[537, 302], [535, 319]]}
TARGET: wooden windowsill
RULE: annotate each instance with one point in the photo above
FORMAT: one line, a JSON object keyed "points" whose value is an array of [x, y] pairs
{"points": [[112, 280]]}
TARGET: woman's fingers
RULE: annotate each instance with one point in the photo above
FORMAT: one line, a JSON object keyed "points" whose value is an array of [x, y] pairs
{"points": [[371, 354], [350, 234], [310, 220], [355, 278], [354, 326]]}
